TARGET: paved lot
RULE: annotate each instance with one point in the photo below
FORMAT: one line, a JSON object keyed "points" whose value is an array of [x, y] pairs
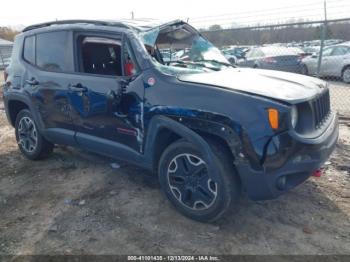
{"points": [[76, 203]]}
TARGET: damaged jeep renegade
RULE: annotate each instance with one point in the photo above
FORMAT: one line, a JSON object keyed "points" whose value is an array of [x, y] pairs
{"points": [[162, 97]]}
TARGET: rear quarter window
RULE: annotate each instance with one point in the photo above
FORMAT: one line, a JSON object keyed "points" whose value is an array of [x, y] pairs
{"points": [[29, 49], [52, 52]]}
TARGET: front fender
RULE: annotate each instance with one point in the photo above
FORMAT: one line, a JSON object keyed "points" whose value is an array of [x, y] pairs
{"points": [[159, 122], [192, 124]]}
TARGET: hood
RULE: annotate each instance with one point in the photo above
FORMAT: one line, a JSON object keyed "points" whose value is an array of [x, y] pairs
{"points": [[287, 87]]}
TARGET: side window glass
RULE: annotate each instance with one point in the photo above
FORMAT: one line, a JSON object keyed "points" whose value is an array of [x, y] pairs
{"points": [[29, 49], [99, 55], [251, 53], [327, 51], [340, 50], [52, 52], [260, 53]]}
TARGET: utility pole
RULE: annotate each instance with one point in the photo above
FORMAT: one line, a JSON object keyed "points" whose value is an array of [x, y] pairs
{"points": [[132, 15], [323, 36]]}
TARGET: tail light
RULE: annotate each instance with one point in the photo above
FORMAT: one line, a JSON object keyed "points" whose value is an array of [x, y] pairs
{"points": [[269, 60]]}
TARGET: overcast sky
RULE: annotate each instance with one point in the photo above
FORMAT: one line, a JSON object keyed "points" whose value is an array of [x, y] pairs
{"points": [[201, 13]]}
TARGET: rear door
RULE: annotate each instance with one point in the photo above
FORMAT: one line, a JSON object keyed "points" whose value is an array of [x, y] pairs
{"points": [[326, 56], [49, 66]]}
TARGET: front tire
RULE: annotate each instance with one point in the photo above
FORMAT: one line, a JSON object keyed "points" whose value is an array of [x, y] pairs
{"points": [[196, 193], [31, 143]]}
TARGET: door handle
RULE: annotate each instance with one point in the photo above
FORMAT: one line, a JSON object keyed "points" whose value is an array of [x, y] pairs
{"points": [[77, 88], [32, 82]]}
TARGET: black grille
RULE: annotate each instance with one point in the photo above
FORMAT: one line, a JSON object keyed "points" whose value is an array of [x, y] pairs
{"points": [[321, 108]]}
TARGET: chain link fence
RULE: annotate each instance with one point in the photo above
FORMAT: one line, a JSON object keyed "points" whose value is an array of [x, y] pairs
{"points": [[319, 48]]}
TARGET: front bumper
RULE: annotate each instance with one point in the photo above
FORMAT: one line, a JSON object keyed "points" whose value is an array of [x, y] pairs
{"points": [[294, 161]]}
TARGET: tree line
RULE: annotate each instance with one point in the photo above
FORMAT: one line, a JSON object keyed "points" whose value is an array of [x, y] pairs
{"points": [[285, 34], [8, 33]]}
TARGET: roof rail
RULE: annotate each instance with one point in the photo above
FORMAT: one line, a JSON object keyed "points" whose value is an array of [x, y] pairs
{"points": [[62, 22]]}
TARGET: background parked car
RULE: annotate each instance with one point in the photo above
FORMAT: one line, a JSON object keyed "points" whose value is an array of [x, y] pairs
{"points": [[310, 50], [235, 54], [335, 62], [275, 58], [173, 55]]}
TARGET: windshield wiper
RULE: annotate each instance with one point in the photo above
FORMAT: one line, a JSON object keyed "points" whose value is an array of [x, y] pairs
{"points": [[215, 61]]}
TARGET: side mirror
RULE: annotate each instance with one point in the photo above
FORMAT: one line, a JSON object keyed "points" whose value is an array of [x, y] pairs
{"points": [[314, 55]]}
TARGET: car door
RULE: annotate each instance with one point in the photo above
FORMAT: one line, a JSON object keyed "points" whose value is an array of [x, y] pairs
{"points": [[49, 65], [106, 93], [334, 63], [326, 58]]}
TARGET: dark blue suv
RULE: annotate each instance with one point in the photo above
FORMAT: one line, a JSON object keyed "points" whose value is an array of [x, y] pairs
{"points": [[208, 129]]}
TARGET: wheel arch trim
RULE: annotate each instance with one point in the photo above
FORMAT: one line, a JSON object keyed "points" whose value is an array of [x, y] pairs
{"points": [[17, 97], [160, 122]]}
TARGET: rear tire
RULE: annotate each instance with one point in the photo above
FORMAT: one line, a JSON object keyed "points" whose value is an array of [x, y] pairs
{"points": [[31, 143], [346, 75], [185, 180]]}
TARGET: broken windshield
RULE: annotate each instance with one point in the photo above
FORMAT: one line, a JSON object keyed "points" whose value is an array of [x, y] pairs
{"points": [[179, 49]]}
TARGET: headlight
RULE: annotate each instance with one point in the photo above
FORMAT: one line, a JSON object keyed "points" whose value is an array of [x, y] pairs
{"points": [[294, 116]]}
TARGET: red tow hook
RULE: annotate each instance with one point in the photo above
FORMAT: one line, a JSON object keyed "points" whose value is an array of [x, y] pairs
{"points": [[317, 173]]}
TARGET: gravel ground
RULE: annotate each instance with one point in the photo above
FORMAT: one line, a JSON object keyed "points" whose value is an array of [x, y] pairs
{"points": [[74, 202]]}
